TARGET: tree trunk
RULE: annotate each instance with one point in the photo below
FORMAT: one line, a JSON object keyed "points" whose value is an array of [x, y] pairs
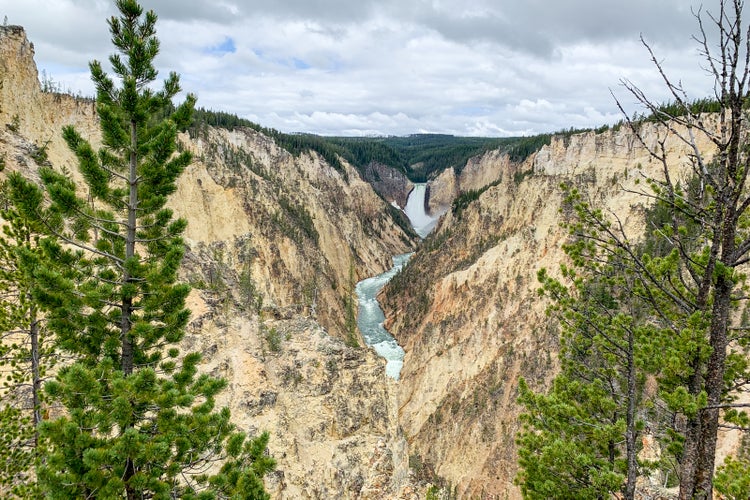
{"points": [[130, 492], [709, 417], [128, 360], [630, 431], [36, 379], [127, 302], [689, 458]]}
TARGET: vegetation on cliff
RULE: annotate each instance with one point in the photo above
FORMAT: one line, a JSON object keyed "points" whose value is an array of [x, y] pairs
{"points": [[671, 310], [294, 143], [139, 420]]}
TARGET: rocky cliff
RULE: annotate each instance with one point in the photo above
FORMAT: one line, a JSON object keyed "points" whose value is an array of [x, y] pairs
{"points": [[390, 183], [467, 312], [479, 172], [275, 244]]}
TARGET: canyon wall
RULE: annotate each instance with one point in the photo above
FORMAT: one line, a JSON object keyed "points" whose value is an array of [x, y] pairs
{"points": [[480, 171], [275, 243], [466, 308], [390, 183]]}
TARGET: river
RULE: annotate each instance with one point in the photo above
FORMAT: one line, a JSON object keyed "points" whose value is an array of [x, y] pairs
{"points": [[371, 317]]}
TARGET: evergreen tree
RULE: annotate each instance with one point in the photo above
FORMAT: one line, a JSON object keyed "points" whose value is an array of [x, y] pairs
{"points": [[687, 282], [568, 447], [697, 289], [18, 325], [733, 477], [581, 438], [25, 350], [139, 421]]}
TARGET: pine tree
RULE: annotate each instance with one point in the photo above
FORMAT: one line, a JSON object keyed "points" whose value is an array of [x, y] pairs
{"points": [[581, 438], [732, 478], [702, 277], [16, 320], [698, 288], [566, 449], [25, 350], [139, 421], [28, 253], [687, 283]]}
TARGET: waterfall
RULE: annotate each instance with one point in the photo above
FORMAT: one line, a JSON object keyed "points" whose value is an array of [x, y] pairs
{"points": [[370, 317], [422, 222]]}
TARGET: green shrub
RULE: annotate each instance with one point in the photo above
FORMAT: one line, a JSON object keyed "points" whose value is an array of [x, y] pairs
{"points": [[273, 339]]}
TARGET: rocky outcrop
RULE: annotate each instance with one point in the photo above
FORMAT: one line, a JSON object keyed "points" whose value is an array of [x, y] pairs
{"points": [[388, 182], [26, 111], [442, 190], [467, 313], [275, 243], [479, 172], [328, 407], [483, 170]]}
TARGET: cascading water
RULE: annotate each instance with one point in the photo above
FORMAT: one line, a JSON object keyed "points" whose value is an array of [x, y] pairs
{"points": [[370, 318], [421, 221]]}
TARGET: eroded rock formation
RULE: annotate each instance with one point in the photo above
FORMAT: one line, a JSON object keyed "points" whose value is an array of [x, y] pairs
{"points": [[271, 241], [466, 309]]}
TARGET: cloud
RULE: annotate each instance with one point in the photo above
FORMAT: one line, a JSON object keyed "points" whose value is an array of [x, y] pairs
{"points": [[215, 11], [486, 67]]}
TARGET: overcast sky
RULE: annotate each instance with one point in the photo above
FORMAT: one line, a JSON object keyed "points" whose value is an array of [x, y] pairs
{"points": [[391, 67]]}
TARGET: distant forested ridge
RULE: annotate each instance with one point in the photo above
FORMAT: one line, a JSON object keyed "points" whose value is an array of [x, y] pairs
{"points": [[419, 156]]}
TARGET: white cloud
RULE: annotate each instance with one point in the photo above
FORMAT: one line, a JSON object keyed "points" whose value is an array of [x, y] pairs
{"points": [[478, 67]]}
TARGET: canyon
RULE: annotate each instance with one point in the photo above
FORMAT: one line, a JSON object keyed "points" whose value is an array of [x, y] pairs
{"points": [[467, 309], [269, 290], [275, 246]]}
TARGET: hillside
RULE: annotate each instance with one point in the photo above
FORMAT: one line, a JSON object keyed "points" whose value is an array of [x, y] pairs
{"points": [[467, 311], [271, 239]]}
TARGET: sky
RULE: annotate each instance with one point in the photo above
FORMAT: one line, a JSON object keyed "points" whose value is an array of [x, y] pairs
{"points": [[393, 67]]}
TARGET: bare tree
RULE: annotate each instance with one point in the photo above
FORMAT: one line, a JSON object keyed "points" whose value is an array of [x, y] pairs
{"points": [[710, 283]]}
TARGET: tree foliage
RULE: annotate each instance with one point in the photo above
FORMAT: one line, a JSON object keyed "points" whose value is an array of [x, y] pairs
{"points": [[569, 449], [140, 421], [26, 352], [732, 478], [591, 409], [686, 292]]}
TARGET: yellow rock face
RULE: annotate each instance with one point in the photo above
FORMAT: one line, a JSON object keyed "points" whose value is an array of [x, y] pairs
{"points": [[270, 285], [471, 322]]}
